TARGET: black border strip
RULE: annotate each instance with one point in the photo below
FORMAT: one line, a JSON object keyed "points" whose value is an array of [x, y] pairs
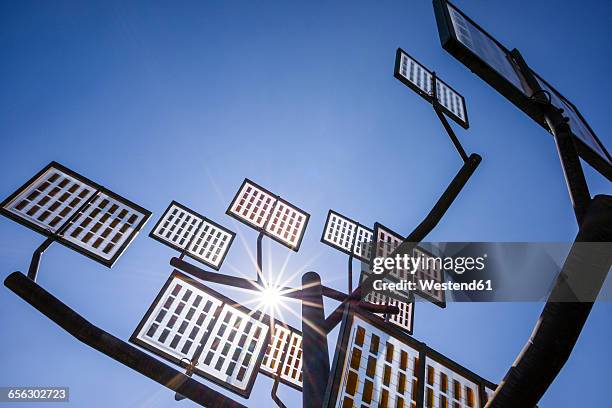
{"points": [[197, 230]]}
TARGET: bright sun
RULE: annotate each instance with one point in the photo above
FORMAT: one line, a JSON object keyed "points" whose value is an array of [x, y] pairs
{"points": [[271, 296]]}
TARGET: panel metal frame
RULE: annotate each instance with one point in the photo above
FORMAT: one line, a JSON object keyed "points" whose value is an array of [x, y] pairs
{"points": [[357, 225], [336, 373], [418, 292], [98, 189], [195, 233], [263, 228], [428, 97], [285, 356], [257, 315], [451, 43]]}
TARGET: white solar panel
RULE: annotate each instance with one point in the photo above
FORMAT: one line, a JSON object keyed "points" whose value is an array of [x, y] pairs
{"points": [[178, 320], [376, 365], [363, 243], [232, 351], [252, 204], [339, 232], [387, 241], [404, 319], [77, 212], [419, 78], [266, 212], [429, 271], [187, 231], [287, 224], [177, 226], [50, 199], [447, 387], [104, 227], [286, 349], [275, 350], [378, 370], [348, 236], [292, 368], [190, 322], [211, 244]]}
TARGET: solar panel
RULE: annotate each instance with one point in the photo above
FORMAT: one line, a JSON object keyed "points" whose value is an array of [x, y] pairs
{"points": [[285, 349], [445, 386], [387, 241], [375, 369], [376, 365], [268, 213], [418, 78], [348, 236], [492, 62], [77, 212], [275, 350], [198, 237], [190, 322], [404, 319]]}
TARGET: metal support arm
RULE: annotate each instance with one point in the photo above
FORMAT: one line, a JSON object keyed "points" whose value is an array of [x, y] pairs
{"points": [[560, 323]]}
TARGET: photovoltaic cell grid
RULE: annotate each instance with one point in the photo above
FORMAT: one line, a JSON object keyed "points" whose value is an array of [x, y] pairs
{"points": [[104, 226], [177, 226], [185, 230], [189, 321], [289, 342], [420, 79], [445, 387], [233, 348], [387, 241], [378, 366], [274, 351], [378, 370], [252, 205], [50, 200], [179, 320], [429, 271], [211, 244], [287, 224], [404, 319], [348, 236], [266, 212], [50, 204]]}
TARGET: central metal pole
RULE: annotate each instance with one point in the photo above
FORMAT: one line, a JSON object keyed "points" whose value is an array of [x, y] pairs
{"points": [[315, 353], [259, 258], [570, 162]]}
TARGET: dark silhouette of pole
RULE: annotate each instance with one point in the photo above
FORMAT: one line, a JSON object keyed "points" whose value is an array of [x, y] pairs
{"points": [[314, 342], [564, 140], [564, 314], [113, 347]]}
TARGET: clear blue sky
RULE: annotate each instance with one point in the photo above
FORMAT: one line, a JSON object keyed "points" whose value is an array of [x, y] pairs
{"points": [[164, 100]]}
